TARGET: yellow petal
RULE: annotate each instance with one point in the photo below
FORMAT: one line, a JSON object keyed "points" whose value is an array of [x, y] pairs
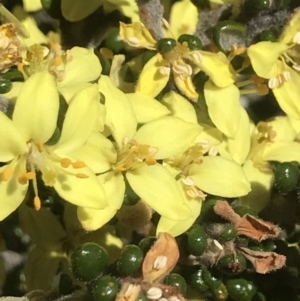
{"points": [[15, 91], [264, 56], [223, 107], [282, 151], [12, 143], [149, 183], [151, 74], [291, 28], [239, 147], [180, 107], [282, 126], [169, 134], [261, 184], [120, 116], [98, 153], [114, 185], [210, 134], [77, 75], [186, 86], [12, 192], [128, 8], [183, 18], [176, 228], [137, 35], [32, 5], [295, 123], [287, 95], [146, 108], [39, 99], [221, 177], [80, 187], [79, 121], [217, 67], [76, 10]]}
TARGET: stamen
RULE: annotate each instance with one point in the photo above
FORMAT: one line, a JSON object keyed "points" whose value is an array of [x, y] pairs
{"points": [[262, 89], [22, 179], [129, 290], [164, 70], [29, 175], [37, 203], [40, 147], [81, 176], [78, 164], [133, 41], [273, 83], [296, 67], [65, 162], [6, 174]]}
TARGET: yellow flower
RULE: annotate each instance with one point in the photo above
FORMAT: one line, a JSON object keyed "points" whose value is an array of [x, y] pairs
{"points": [[135, 157], [280, 63], [253, 147], [25, 150], [160, 67]]}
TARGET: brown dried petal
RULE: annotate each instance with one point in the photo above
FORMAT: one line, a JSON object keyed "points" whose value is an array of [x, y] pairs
{"points": [[257, 228], [247, 225], [165, 246], [223, 209], [129, 292], [264, 262]]}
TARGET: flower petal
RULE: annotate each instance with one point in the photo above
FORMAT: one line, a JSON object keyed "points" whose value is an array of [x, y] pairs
{"points": [[176, 228], [77, 75], [146, 108], [291, 28], [80, 187], [261, 185], [98, 153], [221, 177], [120, 116], [12, 143], [264, 56], [36, 110], [217, 67], [114, 185], [180, 107], [157, 187], [76, 10], [171, 135], [287, 95], [151, 74], [239, 147], [79, 121], [223, 107], [11, 191], [186, 86]]}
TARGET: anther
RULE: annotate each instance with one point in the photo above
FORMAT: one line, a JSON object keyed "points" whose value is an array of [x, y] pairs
{"points": [[81, 176], [154, 293], [160, 262], [29, 175], [65, 162], [37, 203], [6, 174], [78, 164], [40, 147]]}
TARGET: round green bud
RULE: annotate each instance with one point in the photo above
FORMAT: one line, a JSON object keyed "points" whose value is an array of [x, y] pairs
{"points": [[286, 177], [195, 280], [146, 243], [220, 293], [5, 86], [252, 7], [240, 289], [105, 288], [147, 56], [197, 240], [176, 280], [65, 286], [192, 41], [89, 261], [142, 297], [229, 233], [242, 210], [165, 45], [231, 264], [13, 75], [212, 282], [113, 41], [267, 35], [131, 259]]}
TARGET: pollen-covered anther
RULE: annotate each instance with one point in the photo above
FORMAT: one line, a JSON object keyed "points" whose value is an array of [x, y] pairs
{"points": [[78, 164], [238, 50], [213, 151], [160, 262], [6, 174], [197, 56], [296, 38], [262, 89], [182, 69], [273, 83], [65, 162], [40, 147], [81, 176], [37, 203], [133, 41]]}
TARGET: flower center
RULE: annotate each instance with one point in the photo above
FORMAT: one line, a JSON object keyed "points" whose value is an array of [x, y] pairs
{"points": [[265, 132], [133, 155]]}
